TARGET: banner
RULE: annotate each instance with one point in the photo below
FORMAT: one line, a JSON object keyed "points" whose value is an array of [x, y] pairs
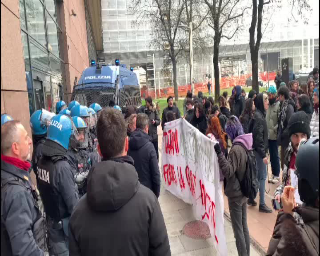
{"points": [[191, 172]]}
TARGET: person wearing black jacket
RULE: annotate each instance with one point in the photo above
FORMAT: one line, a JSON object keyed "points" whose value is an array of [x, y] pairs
{"points": [[260, 147], [190, 110], [247, 115], [154, 121], [144, 155], [118, 215], [278, 80], [199, 120], [223, 106], [172, 108], [22, 224], [56, 183], [239, 102]]}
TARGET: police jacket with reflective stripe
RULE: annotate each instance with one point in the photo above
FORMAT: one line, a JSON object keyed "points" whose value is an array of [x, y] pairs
{"points": [[56, 181], [19, 213]]}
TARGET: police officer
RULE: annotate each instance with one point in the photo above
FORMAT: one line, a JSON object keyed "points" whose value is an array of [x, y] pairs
{"points": [[65, 112], [5, 118], [38, 124], [84, 158], [22, 224], [61, 105], [72, 104], [92, 128], [97, 108], [56, 184]]}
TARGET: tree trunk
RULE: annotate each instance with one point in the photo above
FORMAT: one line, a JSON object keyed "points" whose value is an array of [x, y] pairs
{"points": [[255, 70], [216, 67], [175, 84]]}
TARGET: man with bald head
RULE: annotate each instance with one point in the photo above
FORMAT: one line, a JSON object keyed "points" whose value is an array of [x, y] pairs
{"points": [[22, 226]]}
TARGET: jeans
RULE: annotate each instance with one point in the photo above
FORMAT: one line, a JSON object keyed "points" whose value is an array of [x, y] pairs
{"points": [[238, 214], [274, 157], [262, 176]]}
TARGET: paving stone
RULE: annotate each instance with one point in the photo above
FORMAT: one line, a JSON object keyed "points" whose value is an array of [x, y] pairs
{"points": [[193, 244], [176, 246]]}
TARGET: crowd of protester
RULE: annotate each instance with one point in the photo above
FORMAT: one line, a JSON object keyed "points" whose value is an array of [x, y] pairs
{"points": [[98, 168]]}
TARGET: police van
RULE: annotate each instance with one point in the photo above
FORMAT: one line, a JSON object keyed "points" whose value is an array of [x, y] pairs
{"points": [[101, 83]]}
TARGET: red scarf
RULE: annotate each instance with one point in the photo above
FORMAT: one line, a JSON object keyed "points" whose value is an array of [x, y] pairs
{"points": [[23, 165]]}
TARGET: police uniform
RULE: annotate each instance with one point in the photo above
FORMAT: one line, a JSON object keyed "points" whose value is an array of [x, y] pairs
{"points": [[22, 224], [58, 192], [36, 155]]}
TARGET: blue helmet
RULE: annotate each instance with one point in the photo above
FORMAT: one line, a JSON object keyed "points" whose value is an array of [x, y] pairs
{"points": [[65, 112], [60, 129], [91, 111], [37, 126], [5, 118], [79, 123], [81, 111], [59, 105], [117, 107], [72, 104], [96, 107]]}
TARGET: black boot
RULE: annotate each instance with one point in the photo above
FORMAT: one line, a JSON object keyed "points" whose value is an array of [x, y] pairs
{"points": [[251, 202], [264, 208]]}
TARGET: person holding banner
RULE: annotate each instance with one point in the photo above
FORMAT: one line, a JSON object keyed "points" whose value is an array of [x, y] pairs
{"points": [[199, 120], [233, 170]]}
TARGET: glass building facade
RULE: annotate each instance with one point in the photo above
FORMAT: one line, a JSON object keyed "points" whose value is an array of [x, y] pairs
{"points": [[40, 33]]}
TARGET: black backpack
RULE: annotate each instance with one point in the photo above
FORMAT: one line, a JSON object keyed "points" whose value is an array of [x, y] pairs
{"points": [[249, 184]]}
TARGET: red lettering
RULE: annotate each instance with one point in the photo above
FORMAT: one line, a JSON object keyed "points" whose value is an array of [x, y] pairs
{"points": [[211, 211], [171, 139], [169, 174], [181, 179], [191, 179]]}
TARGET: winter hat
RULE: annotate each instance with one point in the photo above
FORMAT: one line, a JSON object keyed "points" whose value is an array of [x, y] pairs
{"points": [[251, 94], [283, 84], [170, 97], [234, 128], [299, 122], [272, 90]]}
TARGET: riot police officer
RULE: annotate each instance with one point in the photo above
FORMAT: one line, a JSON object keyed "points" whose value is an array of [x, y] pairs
{"points": [[38, 123], [61, 105], [78, 151], [56, 184], [92, 128], [5, 118], [97, 108], [72, 104]]}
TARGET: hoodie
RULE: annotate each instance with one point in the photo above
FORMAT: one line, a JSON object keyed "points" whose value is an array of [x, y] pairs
{"points": [[144, 155], [239, 102], [118, 215], [236, 162]]}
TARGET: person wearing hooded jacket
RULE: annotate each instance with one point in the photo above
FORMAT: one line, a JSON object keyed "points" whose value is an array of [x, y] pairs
{"points": [[118, 215], [233, 168], [239, 102], [172, 108], [199, 120], [154, 121], [144, 155], [296, 231], [260, 146]]}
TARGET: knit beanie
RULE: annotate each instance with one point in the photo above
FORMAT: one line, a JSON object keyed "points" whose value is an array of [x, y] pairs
{"points": [[299, 122], [272, 90]]}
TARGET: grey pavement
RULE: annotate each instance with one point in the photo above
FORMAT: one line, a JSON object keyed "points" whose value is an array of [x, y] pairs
{"points": [[176, 215]]}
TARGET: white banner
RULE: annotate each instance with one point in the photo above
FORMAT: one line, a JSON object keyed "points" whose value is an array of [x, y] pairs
{"points": [[191, 172]]}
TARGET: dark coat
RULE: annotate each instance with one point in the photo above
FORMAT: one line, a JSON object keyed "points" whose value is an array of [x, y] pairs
{"points": [[190, 115], [200, 123], [36, 154], [283, 135], [245, 120], [238, 106], [290, 238], [19, 211], [225, 111], [278, 81], [118, 215], [164, 114], [144, 155], [153, 115], [260, 133]]}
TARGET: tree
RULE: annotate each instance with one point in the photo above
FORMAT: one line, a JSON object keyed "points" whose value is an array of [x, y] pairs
{"points": [[165, 19], [224, 17], [300, 6]]}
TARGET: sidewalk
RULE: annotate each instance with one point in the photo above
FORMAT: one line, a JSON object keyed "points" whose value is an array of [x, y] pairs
{"points": [[176, 214]]}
